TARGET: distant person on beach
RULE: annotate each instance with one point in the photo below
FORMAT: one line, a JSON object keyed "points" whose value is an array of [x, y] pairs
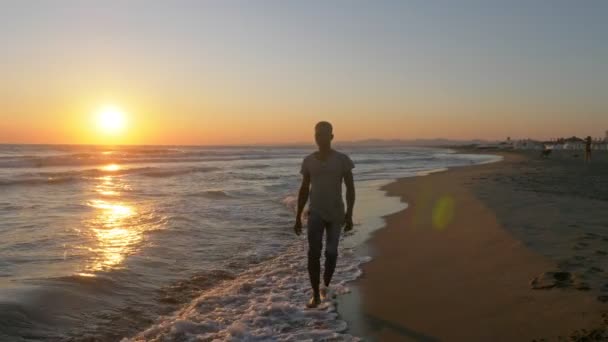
{"points": [[545, 152], [323, 172], [588, 149]]}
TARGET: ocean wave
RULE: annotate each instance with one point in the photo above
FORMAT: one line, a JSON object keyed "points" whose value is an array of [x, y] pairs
{"points": [[264, 303], [255, 176], [291, 202], [70, 160], [37, 181], [160, 172], [185, 290], [161, 151], [397, 159], [211, 194], [90, 282], [122, 157], [49, 178], [255, 166]]}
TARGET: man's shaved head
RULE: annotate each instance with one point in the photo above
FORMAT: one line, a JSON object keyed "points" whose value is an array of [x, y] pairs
{"points": [[323, 134], [324, 125]]}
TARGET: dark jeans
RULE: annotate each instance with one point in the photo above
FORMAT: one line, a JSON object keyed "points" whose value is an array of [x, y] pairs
{"points": [[316, 226]]}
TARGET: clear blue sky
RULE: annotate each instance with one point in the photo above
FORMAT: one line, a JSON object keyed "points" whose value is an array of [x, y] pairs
{"points": [[393, 69]]}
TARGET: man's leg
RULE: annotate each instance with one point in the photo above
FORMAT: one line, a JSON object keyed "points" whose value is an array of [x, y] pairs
{"points": [[315, 228], [332, 237]]}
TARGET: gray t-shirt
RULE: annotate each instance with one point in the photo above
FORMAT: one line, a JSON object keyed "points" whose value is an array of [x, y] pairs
{"points": [[326, 184]]}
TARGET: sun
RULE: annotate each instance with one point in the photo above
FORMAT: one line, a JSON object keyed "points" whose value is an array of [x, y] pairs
{"points": [[111, 119]]}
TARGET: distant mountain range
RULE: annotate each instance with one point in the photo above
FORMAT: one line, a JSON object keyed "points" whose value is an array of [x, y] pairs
{"points": [[414, 142], [410, 142]]}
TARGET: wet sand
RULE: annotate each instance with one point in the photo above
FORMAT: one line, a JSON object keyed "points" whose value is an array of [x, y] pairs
{"points": [[448, 269]]}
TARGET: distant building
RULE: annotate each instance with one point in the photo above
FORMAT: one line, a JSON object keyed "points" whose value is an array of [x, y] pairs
{"points": [[528, 144], [574, 143]]}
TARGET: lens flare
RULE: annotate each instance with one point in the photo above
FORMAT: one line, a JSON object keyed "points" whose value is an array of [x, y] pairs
{"points": [[443, 212]]}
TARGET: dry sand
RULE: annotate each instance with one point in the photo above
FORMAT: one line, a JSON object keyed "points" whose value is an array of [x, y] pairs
{"points": [[447, 269]]}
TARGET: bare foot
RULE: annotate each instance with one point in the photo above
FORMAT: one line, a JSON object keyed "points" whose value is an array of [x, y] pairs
{"points": [[313, 302], [323, 293]]}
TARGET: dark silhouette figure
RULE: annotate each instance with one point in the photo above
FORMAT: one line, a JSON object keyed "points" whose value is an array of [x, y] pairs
{"points": [[323, 172], [588, 149], [545, 152]]}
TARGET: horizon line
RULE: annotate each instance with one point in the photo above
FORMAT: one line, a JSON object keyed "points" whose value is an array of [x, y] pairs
{"points": [[299, 143]]}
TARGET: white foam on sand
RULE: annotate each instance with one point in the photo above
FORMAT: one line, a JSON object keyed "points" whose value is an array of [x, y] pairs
{"points": [[264, 303]]}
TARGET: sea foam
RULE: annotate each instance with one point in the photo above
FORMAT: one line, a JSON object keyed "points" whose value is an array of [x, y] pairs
{"points": [[264, 303]]}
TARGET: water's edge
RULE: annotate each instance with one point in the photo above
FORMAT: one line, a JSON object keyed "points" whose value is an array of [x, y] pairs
{"points": [[267, 301], [349, 304]]}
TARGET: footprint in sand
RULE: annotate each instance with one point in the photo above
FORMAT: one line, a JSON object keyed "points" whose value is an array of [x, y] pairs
{"points": [[560, 279]]}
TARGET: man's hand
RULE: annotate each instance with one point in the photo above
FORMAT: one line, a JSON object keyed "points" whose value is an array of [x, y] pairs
{"points": [[348, 223], [298, 226]]}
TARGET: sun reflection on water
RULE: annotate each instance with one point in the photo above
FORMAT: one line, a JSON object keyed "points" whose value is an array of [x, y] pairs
{"points": [[108, 187], [116, 228], [107, 192], [113, 212], [116, 232], [111, 167]]}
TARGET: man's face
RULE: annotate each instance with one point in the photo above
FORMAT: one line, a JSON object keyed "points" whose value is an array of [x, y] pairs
{"points": [[323, 136]]}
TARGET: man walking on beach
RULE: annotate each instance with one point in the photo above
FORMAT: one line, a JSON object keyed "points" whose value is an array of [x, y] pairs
{"points": [[323, 172]]}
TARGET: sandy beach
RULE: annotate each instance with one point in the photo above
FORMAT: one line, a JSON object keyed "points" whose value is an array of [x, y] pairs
{"points": [[460, 263]]}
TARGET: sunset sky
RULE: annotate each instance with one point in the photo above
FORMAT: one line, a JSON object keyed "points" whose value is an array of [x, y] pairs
{"points": [[241, 72]]}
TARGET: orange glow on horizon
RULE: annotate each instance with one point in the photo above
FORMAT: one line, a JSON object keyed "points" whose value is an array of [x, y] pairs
{"points": [[154, 122]]}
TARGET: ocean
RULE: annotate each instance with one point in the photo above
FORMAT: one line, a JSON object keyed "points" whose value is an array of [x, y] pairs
{"points": [[161, 243]]}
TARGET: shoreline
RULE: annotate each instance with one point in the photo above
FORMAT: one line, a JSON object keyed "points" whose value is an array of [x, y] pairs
{"points": [[457, 273]]}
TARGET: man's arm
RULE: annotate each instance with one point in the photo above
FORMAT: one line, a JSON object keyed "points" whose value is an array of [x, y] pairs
{"points": [[350, 199], [302, 199], [303, 194]]}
